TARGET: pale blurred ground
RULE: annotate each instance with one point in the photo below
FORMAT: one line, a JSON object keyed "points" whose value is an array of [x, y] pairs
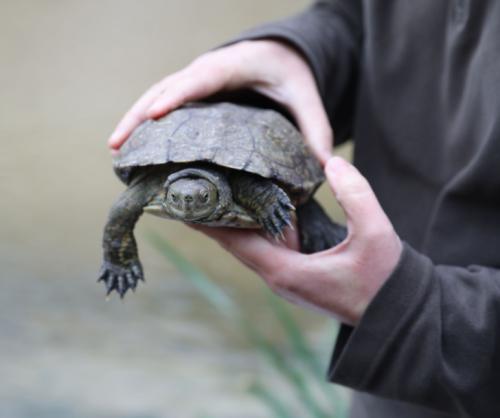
{"points": [[68, 70]]}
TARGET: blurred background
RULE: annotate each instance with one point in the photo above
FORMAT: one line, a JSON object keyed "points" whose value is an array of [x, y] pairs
{"points": [[68, 71]]}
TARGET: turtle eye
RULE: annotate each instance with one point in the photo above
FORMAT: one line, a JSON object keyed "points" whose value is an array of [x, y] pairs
{"points": [[204, 196], [173, 197]]}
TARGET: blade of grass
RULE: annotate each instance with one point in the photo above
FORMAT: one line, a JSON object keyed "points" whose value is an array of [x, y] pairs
{"points": [[295, 336], [303, 349], [291, 374], [214, 294], [275, 405]]}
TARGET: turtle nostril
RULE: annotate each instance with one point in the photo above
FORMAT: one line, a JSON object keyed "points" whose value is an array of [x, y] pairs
{"points": [[188, 198]]}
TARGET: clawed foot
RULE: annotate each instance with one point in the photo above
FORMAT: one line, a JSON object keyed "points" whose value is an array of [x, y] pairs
{"points": [[120, 278], [275, 216]]}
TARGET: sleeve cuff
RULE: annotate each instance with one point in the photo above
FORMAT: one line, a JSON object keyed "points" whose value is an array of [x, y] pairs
{"points": [[359, 350]]}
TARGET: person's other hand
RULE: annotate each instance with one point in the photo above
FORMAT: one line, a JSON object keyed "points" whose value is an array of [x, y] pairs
{"points": [[271, 68], [340, 281]]}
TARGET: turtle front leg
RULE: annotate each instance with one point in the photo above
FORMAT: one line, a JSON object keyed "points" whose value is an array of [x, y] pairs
{"points": [[121, 268], [268, 202]]}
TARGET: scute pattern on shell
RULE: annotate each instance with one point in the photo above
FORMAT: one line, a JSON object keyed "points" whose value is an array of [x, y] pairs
{"points": [[256, 140]]}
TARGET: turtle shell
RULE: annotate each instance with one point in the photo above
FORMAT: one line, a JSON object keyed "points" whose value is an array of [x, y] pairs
{"points": [[255, 140]]}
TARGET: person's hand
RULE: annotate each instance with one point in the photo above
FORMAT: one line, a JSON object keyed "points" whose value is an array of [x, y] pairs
{"points": [[271, 68], [340, 281]]}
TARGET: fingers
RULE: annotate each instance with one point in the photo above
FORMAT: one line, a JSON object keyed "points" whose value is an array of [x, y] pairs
{"points": [[308, 110], [189, 85], [294, 87], [272, 68], [134, 117], [252, 249], [212, 72], [364, 214]]}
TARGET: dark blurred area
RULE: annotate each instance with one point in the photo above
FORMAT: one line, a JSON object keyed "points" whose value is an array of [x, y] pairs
{"points": [[69, 70]]}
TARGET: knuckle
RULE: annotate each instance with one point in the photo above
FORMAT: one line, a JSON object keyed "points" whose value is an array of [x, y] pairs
{"points": [[135, 115], [220, 64], [183, 86], [202, 64], [200, 76]]}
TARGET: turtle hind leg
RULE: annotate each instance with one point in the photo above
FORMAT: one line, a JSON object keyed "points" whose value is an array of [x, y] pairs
{"points": [[268, 202], [317, 232]]}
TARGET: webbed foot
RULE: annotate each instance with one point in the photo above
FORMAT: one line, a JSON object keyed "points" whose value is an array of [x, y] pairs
{"points": [[275, 212], [120, 278]]}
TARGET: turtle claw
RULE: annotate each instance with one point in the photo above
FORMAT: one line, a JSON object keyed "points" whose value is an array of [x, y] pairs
{"points": [[120, 278], [110, 283], [132, 283], [137, 271], [276, 216]]}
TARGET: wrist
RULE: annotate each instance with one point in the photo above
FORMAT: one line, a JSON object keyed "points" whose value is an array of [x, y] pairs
{"points": [[391, 250]]}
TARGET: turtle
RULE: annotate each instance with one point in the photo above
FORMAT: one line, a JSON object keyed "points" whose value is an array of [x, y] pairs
{"points": [[218, 164]]}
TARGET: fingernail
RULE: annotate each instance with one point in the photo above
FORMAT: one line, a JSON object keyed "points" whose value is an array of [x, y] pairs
{"points": [[152, 111], [115, 136]]}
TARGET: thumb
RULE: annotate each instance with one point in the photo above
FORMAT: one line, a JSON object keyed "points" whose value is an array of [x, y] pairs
{"points": [[363, 211]]}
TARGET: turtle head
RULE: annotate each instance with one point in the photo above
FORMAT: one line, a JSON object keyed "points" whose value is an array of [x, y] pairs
{"points": [[191, 199], [196, 195]]}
